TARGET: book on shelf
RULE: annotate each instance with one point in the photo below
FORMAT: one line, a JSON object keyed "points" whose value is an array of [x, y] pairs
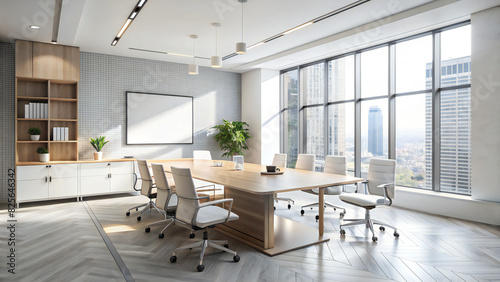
{"points": [[26, 111], [46, 107], [32, 110], [54, 133], [66, 133]]}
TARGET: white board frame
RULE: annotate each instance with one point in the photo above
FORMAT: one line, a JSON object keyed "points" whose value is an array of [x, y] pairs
{"points": [[166, 125]]}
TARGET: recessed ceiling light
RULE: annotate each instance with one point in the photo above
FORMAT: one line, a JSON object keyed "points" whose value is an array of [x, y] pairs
{"points": [[34, 27]]}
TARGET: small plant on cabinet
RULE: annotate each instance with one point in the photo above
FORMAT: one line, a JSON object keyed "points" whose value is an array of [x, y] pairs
{"points": [[98, 143], [35, 133], [43, 153]]}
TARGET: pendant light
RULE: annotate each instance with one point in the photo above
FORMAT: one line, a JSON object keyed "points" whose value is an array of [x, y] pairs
{"points": [[193, 68], [241, 47], [216, 61]]}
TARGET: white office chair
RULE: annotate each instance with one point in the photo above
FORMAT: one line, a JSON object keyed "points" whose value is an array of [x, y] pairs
{"points": [[200, 216], [305, 162], [166, 198], [380, 183], [334, 165], [279, 160], [202, 155], [148, 189]]}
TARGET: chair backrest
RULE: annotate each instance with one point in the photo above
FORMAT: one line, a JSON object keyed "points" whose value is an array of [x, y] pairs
{"points": [[305, 162], [162, 199], [279, 160], [202, 155], [382, 172], [184, 186], [336, 165], [147, 181]]}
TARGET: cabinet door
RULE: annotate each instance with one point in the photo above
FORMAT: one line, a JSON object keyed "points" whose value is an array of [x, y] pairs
{"points": [[96, 184], [121, 168], [121, 182], [32, 190], [32, 172], [63, 187], [24, 58], [63, 171], [94, 169], [48, 61]]}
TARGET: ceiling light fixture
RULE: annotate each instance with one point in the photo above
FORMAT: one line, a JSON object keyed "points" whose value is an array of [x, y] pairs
{"points": [[129, 20], [313, 21], [34, 27], [216, 61], [193, 68], [241, 47]]}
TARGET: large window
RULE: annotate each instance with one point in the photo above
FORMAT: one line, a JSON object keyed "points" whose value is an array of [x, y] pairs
{"points": [[407, 100]]}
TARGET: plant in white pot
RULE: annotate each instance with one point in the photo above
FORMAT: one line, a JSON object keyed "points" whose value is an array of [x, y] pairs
{"points": [[98, 143], [43, 153], [35, 133]]}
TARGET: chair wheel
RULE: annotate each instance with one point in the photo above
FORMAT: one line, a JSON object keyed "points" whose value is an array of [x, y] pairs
{"points": [[147, 229], [342, 232], [381, 228], [173, 259], [226, 246], [302, 212], [139, 218], [375, 239], [342, 214], [200, 268], [396, 234], [317, 218], [236, 258], [161, 236], [289, 206], [191, 235], [334, 209], [274, 208], [127, 214]]}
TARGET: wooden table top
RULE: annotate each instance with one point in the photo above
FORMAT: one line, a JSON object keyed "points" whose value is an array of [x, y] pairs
{"points": [[250, 180]]}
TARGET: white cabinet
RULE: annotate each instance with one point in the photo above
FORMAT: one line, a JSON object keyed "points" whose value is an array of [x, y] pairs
{"points": [[102, 178], [55, 181], [42, 182]]}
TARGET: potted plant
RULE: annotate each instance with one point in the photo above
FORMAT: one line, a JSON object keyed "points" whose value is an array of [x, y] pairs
{"points": [[35, 133], [232, 137], [98, 143], [43, 153]]}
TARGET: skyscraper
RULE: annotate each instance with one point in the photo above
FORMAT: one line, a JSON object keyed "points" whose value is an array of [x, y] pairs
{"points": [[455, 127], [375, 131]]}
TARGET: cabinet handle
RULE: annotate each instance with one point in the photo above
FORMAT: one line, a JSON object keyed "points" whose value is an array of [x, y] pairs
{"points": [[47, 166], [110, 175], [45, 178], [50, 165], [109, 164], [50, 178]]}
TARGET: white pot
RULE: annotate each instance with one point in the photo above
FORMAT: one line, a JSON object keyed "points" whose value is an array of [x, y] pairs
{"points": [[35, 137], [97, 156], [44, 158]]}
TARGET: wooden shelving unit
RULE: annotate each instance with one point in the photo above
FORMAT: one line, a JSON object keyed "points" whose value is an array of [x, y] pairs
{"points": [[54, 82]]}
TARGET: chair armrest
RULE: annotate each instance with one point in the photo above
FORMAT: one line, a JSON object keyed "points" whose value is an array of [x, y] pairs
{"points": [[194, 198], [385, 193], [362, 182], [213, 203]]}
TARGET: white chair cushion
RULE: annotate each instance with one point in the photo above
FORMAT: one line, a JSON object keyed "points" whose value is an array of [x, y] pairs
{"points": [[211, 215], [362, 200]]}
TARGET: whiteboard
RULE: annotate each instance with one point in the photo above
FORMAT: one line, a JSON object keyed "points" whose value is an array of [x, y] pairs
{"points": [[159, 119]]}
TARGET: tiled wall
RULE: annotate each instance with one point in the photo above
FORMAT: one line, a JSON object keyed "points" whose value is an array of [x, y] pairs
{"points": [[7, 117], [104, 80]]}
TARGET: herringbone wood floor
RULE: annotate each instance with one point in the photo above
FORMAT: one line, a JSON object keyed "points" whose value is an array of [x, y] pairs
{"points": [[59, 242]]}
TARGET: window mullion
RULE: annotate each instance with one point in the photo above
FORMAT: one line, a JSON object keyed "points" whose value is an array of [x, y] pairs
{"points": [[436, 112]]}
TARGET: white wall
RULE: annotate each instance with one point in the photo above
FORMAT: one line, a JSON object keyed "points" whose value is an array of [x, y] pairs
{"points": [[260, 108], [486, 105]]}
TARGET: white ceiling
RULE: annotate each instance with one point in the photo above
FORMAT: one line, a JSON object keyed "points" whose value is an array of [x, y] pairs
{"points": [[165, 25]]}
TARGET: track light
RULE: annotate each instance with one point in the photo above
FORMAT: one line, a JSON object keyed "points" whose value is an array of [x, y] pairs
{"points": [[129, 20], [193, 68], [241, 47]]}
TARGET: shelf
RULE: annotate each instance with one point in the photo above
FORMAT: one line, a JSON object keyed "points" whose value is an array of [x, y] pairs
{"points": [[21, 78], [63, 100], [32, 119], [62, 119], [32, 98], [28, 142], [69, 141]]}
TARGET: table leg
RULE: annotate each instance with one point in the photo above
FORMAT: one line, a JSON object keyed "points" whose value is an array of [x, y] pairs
{"points": [[321, 210]]}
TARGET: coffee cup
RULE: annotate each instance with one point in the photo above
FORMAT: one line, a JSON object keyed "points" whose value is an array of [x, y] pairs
{"points": [[272, 168]]}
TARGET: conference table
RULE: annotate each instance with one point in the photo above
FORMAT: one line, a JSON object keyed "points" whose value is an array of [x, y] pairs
{"points": [[253, 202]]}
